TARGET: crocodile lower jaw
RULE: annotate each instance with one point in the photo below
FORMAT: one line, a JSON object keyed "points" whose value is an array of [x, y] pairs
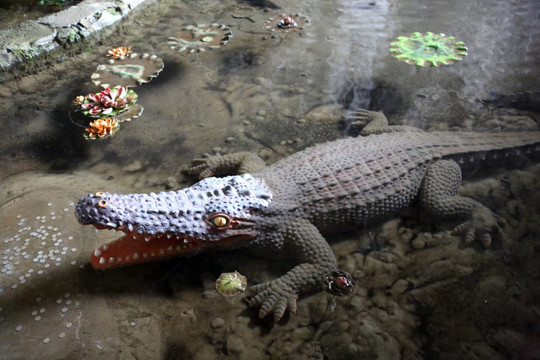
{"points": [[134, 248]]}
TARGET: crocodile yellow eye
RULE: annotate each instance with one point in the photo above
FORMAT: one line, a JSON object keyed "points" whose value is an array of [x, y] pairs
{"points": [[219, 221], [102, 203]]}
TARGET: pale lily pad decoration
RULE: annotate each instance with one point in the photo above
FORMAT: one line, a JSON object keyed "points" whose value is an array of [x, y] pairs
{"points": [[130, 114], [200, 37], [428, 49], [231, 284], [287, 23], [129, 70], [109, 102]]}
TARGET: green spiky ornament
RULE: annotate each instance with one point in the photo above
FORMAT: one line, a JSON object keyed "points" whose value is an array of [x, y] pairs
{"points": [[428, 49]]}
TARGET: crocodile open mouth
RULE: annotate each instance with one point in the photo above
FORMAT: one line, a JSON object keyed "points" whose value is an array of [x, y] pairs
{"points": [[134, 248]]}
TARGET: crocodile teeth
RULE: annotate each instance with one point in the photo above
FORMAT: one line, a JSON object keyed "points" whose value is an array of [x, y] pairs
{"points": [[130, 227], [97, 253], [102, 261]]}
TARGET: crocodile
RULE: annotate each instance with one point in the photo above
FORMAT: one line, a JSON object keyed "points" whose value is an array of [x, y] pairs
{"points": [[283, 211]]}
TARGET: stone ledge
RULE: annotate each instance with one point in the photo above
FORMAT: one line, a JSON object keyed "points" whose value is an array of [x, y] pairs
{"points": [[35, 37]]}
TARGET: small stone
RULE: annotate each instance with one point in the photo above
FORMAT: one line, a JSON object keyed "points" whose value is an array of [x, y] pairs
{"points": [[246, 122], [46, 340], [171, 183], [261, 112], [133, 167], [62, 335], [229, 139], [301, 121], [18, 328], [418, 243], [405, 234], [68, 325], [235, 344], [217, 323], [265, 154]]}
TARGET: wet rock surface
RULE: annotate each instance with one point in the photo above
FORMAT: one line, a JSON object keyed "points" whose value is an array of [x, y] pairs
{"points": [[32, 38]]}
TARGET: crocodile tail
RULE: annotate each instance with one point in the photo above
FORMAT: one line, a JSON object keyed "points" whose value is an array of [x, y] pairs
{"points": [[495, 148]]}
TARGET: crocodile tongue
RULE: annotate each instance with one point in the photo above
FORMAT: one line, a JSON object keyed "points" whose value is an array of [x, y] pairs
{"points": [[134, 248]]}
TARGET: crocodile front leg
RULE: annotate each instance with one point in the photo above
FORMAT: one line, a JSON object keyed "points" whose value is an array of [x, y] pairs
{"points": [[300, 240], [230, 164], [438, 195]]}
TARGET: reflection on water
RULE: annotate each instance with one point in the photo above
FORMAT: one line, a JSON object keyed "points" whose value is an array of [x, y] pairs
{"points": [[272, 94]]}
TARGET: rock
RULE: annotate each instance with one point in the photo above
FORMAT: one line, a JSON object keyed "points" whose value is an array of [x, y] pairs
{"points": [[265, 154], [171, 183], [28, 84], [235, 344], [418, 242], [74, 14], [217, 323], [133, 167], [400, 287]]}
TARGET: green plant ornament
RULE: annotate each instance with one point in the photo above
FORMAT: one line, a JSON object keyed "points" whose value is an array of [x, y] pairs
{"points": [[428, 49], [231, 284]]}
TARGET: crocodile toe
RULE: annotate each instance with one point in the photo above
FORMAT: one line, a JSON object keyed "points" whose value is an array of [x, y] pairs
{"points": [[273, 299]]}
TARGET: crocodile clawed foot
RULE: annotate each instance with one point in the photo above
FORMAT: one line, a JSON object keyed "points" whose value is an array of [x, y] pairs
{"points": [[358, 119], [204, 167], [483, 225], [273, 297]]}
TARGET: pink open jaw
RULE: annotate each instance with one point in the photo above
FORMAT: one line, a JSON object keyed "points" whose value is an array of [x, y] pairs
{"points": [[134, 248]]}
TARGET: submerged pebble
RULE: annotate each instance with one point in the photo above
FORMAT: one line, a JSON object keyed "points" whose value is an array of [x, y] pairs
{"points": [[217, 323]]}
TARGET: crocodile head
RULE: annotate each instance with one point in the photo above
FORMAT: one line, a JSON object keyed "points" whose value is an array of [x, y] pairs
{"points": [[214, 212]]}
